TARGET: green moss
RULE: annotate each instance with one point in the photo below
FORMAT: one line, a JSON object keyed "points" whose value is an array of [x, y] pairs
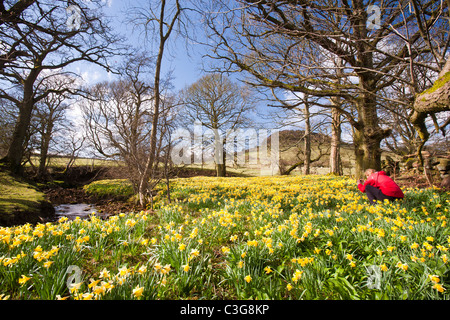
{"points": [[437, 85]]}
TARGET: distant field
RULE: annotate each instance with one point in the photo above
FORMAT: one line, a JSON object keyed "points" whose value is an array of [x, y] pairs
{"points": [[290, 153], [62, 162]]}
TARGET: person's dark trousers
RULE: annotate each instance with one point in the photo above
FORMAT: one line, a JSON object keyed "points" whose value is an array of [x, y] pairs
{"points": [[374, 194]]}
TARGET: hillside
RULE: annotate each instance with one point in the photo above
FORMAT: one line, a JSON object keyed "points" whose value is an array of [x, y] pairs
{"points": [[291, 151]]}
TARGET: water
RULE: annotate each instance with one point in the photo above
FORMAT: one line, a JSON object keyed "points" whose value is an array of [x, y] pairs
{"points": [[72, 211]]}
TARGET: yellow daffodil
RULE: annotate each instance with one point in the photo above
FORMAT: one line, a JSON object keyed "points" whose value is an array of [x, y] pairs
{"points": [[138, 291], [439, 287], [434, 278], [75, 287], [402, 266], [104, 274], [157, 266], [225, 250], [23, 279], [142, 269], [297, 275], [268, 270], [123, 271]]}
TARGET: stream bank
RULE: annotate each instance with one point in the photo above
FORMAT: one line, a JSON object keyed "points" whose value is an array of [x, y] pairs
{"points": [[78, 203], [21, 201]]}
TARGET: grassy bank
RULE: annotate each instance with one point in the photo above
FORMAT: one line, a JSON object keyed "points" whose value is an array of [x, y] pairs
{"points": [[119, 189], [20, 201]]}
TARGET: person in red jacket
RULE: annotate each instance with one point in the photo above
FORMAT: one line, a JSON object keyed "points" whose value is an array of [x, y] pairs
{"points": [[379, 186]]}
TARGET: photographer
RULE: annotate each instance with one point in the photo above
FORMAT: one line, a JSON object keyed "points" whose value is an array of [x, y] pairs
{"points": [[379, 186]]}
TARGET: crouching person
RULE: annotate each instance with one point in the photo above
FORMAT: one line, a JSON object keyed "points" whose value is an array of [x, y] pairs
{"points": [[379, 186]]}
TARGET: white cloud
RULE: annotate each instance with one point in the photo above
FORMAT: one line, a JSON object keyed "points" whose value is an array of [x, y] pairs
{"points": [[89, 77], [108, 2]]}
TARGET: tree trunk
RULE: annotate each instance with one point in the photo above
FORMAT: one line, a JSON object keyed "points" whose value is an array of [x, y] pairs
{"points": [[164, 30], [221, 170], [367, 133], [17, 146], [335, 153], [148, 170], [45, 143], [307, 144], [434, 100], [219, 154], [291, 168]]}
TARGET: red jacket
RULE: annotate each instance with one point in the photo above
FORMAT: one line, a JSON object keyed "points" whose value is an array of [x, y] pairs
{"points": [[384, 183]]}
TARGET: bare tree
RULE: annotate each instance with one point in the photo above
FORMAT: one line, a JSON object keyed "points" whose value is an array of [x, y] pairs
{"points": [[13, 15], [219, 105], [298, 112], [336, 130], [38, 38], [50, 114], [71, 146], [119, 120], [159, 20]]}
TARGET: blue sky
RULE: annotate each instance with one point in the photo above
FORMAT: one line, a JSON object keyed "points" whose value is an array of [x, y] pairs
{"points": [[186, 69]]}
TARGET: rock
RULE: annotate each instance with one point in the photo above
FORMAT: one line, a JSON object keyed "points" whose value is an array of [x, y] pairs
{"points": [[445, 184], [444, 167]]}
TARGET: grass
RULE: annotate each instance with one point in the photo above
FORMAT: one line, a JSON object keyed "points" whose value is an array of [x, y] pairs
{"points": [[17, 196], [111, 189], [61, 162], [300, 237]]}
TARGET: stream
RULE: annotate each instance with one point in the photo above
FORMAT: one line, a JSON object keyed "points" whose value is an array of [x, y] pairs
{"points": [[72, 211]]}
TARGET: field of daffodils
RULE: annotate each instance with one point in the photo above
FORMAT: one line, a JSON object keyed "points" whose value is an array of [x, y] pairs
{"points": [[300, 237]]}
